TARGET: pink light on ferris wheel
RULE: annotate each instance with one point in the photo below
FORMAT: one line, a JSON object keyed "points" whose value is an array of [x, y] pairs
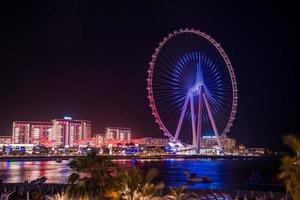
{"points": [[192, 87]]}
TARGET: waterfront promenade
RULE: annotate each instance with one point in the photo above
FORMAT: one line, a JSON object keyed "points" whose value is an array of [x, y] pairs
{"points": [[119, 157]]}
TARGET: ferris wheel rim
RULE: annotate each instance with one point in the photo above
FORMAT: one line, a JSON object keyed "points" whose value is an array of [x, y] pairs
{"points": [[228, 64]]}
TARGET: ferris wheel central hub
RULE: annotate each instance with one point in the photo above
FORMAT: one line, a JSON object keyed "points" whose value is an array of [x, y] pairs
{"points": [[196, 89]]}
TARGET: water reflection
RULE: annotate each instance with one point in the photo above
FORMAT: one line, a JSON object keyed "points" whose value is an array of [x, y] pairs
{"points": [[223, 173], [11, 172]]}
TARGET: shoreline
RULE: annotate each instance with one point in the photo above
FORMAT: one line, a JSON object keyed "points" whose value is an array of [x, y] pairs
{"points": [[137, 157]]}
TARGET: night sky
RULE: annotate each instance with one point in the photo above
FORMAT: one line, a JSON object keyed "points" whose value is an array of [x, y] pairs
{"points": [[89, 60]]}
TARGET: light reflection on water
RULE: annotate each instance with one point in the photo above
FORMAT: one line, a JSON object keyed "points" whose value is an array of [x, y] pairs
{"points": [[12, 172], [224, 173]]}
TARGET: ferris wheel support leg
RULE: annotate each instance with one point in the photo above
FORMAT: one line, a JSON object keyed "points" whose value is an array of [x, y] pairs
{"points": [[211, 118], [199, 120], [193, 120], [181, 118]]}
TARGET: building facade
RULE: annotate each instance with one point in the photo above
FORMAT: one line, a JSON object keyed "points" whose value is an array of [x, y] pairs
{"points": [[210, 141], [155, 141], [257, 151], [70, 133], [58, 132], [118, 134], [5, 139], [99, 139], [228, 143], [31, 132]]}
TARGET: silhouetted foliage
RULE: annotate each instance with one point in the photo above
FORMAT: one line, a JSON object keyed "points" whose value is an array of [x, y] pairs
{"points": [[290, 167], [92, 176]]}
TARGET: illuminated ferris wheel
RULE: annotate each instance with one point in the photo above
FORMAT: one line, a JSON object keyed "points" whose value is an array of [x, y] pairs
{"points": [[192, 88]]}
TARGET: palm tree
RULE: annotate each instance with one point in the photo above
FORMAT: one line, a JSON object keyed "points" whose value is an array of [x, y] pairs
{"points": [[179, 194], [92, 176], [290, 167], [60, 196], [176, 194], [132, 184]]}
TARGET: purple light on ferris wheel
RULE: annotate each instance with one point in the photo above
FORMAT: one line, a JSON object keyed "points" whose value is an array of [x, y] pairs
{"points": [[192, 88]]}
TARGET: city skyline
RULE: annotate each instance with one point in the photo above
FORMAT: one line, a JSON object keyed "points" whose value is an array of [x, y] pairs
{"points": [[95, 67], [56, 132]]}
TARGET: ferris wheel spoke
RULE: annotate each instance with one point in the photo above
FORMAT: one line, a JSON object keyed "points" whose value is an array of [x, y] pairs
{"points": [[199, 119], [211, 118], [193, 119], [183, 111]]}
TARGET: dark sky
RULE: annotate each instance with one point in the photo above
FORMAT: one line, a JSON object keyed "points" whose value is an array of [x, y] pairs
{"points": [[89, 60]]}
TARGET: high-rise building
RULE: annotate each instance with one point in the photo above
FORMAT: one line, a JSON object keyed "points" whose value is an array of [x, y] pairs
{"points": [[31, 132], [58, 132], [40, 133], [21, 132], [70, 132], [118, 133]]}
